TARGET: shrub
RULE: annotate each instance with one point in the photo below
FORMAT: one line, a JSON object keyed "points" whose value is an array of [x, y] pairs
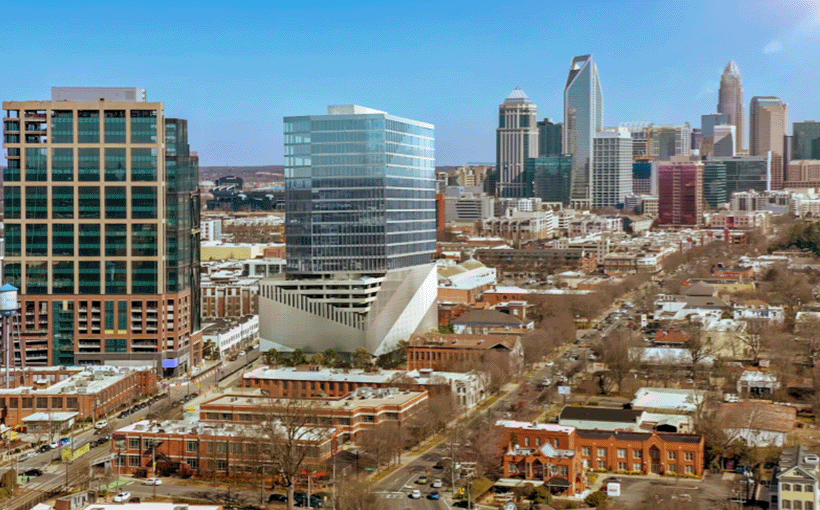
{"points": [[596, 499]]}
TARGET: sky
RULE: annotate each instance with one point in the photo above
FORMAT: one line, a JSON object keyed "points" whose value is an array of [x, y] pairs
{"points": [[235, 69]]}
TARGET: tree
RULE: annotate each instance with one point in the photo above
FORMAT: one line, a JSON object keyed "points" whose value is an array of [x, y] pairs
{"points": [[353, 494], [274, 357], [317, 359], [619, 352], [297, 357], [284, 433], [698, 345], [362, 358], [331, 357], [381, 442]]}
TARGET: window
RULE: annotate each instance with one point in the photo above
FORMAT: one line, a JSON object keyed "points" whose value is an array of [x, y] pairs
{"points": [[42, 402], [221, 465], [36, 164], [637, 454], [689, 469], [808, 505], [62, 203], [673, 468], [62, 165], [601, 464], [72, 403], [808, 488], [564, 470], [134, 460], [672, 455], [797, 487], [787, 486], [636, 466], [236, 448], [622, 466], [89, 202], [133, 443], [690, 456], [194, 463], [537, 441], [115, 164], [587, 451], [143, 164], [89, 168], [526, 441], [797, 504], [621, 453], [88, 126], [222, 447], [601, 452]]}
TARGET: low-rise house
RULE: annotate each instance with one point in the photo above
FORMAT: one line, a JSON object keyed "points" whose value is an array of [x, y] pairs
{"points": [[681, 307], [478, 322], [600, 418], [462, 353], [228, 336], [463, 282], [757, 423], [794, 484], [757, 384], [668, 400], [759, 310]]}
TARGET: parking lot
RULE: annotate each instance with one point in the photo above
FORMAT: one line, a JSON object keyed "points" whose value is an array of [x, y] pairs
{"points": [[644, 492]]}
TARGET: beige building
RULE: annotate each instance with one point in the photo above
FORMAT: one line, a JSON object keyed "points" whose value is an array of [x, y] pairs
{"points": [[768, 117]]}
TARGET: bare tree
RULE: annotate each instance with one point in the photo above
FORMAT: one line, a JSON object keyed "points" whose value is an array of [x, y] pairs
{"points": [[619, 352], [381, 441], [698, 345], [353, 494], [286, 437]]}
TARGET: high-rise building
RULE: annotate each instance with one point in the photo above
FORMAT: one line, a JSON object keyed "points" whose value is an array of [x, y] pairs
{"points": [[723, 141], [707, 128], [730, 101], [696, 137], [551, 177], [516, 141], [550, 135], [102, 217], [714, 183], [668, 141], [745, 173], [642, 177], [806, 140], [360, 230], [583, 117], [611, 168], [680, 190], [768, 117]]}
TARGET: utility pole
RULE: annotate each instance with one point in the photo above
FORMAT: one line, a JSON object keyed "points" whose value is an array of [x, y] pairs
{"points": [[154, 465]]}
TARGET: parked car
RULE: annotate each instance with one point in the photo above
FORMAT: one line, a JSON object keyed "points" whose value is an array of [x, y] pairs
{"points": [[422, 480], [33, 472], [65, 440], [152, 481], [416, 494], [101, 424], [433, 495], [278, 498], [436, 483], [44, 448], [122, 497]]}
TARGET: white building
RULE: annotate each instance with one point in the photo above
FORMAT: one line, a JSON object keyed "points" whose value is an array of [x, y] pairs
{"points": [[611, 168], [210, 229], [231, 335]]}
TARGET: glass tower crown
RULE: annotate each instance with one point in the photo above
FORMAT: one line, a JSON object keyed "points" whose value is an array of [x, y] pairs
{"points": [[360, 192]]}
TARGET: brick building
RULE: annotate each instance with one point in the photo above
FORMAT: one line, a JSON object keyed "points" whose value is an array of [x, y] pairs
{"points": [[462, 353], [205, 447], [92, 392], [350, 415], [560, 455]]}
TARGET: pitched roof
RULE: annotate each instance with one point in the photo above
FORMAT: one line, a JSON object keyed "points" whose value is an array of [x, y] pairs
{"points": [[608, 414], [698, 289], [490, 317], [758, 416]]}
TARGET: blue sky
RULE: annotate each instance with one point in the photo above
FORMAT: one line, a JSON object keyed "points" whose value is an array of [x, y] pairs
{"points": [[234, 69]]}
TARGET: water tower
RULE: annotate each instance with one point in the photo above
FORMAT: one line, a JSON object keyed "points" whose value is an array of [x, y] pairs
{"points": [[8, 307]]}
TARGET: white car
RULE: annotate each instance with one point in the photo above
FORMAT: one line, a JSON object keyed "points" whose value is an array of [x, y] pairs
{"points": [[436, 483], [101, 424], [416, 494], [122, 497], [152, 481]]}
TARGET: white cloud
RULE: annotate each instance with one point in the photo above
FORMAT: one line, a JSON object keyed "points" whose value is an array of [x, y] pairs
{"points": [[773, 47]]}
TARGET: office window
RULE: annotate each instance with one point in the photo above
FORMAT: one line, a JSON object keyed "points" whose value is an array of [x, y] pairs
{"points": [[36, 239], [116, 240], [62, 165], [134, 460], [36, 164], [63, 276], [116, 274], [88, 126], [89, 240], [36, 202], [144, 202], [143, 126], [114, 126], [90, 275], [144, 279], [12, 203], [62, 202], [116, 205], [89, 202], [115, 165], [143, 164], [14, 240], [62, 126], [89, 165]]}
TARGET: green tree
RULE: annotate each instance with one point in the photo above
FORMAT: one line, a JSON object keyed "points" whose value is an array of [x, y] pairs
{"points": [[318, 359], [446, 330], [297, 357], [331, 357], [362, 358], [274, 357]]}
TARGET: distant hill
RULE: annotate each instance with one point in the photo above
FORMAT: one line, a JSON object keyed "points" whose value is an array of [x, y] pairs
{"points": [[267, 173]]}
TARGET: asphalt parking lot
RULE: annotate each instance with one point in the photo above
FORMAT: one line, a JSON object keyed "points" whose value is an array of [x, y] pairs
{"points": [[643, 492]]}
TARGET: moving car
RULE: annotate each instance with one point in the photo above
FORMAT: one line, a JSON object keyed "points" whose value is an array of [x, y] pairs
{"points": [[433, 495], [422, 480], [436, 483], [152, 481], [416, 494], [101, 424], [33, 472], [280, 498], [122, 497]]}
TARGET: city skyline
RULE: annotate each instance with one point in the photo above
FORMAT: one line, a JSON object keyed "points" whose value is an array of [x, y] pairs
{"points": [[438, 62]]}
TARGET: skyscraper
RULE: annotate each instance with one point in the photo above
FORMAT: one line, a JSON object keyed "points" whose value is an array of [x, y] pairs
{"points": [[680, 190], [516, 141], [101, 217], [361, 232], [707, 127], [730, 101], [583, 117], [550, 135], [551, 177], [768, 117], [723, 141], [668, 141], [612, 167], [806, 140]]}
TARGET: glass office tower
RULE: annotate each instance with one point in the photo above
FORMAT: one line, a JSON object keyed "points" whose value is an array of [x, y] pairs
{"points": [[583, 117], [360, 233], [102, 218]]}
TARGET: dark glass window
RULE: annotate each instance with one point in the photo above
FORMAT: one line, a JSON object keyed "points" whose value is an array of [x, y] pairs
{"points": [[116, 205], [63, 278], [36, 202], [116, 274], [62, 202], [62, 164], [11, 195], [143, 164], [89, 276], [116, 240], [89, 160], [115, 126], [62, 241], [62, 126], [89, 202], [89, 241], [36, 164], [88, 126], [115, 165], [144, 202]]}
